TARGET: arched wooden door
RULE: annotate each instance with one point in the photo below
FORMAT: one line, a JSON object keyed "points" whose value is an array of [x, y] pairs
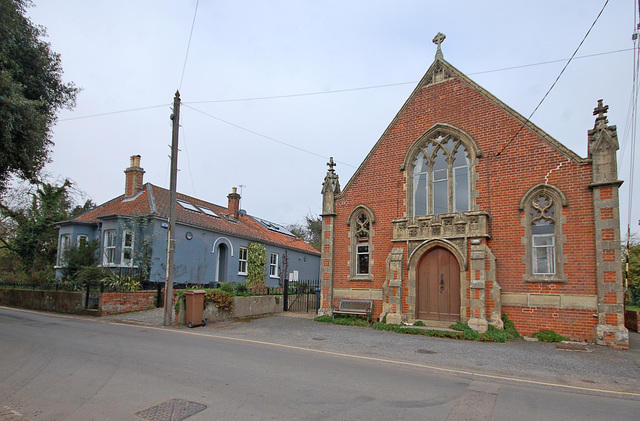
{"points": [[438, 286]]}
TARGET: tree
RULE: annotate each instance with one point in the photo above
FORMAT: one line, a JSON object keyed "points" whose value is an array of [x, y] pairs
{"points": [[31, 94], [142, 226], [83, 255], [633, 274], [310, 230], [34, 236]]}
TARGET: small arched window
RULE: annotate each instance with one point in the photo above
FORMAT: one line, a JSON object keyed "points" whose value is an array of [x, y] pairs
{"points": [[543, 235], [543, 240], [361, 221], [440, 175], [362, 237]]}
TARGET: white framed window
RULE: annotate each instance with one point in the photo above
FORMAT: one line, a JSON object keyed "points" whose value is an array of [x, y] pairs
{"points": [[243, 254], [65, 245], [362, 259], [109, 247], [128, 241], [81, 240], [543, 254], [273, 265], [543, 235]]}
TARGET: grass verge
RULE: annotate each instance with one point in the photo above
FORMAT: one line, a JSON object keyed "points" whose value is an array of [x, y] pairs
{"points": [[462, 330]]}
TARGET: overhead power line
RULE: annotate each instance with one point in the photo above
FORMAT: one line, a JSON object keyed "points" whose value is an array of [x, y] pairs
{"points": [[193, 24], [388, 85], [362, 88], [263, 136], [115, 112], [555, 81]]}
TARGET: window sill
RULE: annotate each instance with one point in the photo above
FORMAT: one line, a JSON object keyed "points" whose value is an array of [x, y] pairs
{"points": [[113, 265], [274, 277], [546, 278], [356, 278], [243, 273]]}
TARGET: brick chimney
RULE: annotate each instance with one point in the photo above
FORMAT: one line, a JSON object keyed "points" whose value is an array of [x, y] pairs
{"points": [[133, 177], [234, 203]]}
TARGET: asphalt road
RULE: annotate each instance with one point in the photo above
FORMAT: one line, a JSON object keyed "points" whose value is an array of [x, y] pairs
{"points": [[68, 368]]}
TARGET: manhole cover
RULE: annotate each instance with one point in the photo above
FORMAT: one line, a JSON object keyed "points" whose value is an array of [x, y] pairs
{"points": [[173, 410], [425, 351]]}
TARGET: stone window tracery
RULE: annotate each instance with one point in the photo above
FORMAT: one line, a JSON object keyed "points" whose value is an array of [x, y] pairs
{"points": [[361, 232], [440, 176]]}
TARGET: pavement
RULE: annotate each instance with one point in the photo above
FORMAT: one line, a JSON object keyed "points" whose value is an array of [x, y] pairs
{"points": [[589, 366]]}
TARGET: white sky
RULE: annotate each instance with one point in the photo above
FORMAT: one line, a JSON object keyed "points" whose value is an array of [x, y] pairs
{"points": [[130, 54]]}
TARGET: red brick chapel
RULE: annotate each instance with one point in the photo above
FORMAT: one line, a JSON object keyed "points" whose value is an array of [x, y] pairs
{"points": [[464, 210]]}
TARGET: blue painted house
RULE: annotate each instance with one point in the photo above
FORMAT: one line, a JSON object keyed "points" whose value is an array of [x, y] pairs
{"points": [[211, 241]]}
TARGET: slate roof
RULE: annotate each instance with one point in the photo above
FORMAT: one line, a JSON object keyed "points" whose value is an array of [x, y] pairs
{"points": [[154, 200]]}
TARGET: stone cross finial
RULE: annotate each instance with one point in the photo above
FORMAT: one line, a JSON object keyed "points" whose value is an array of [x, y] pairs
{"points": [[600, 111], [331, 164], [437, 40]]}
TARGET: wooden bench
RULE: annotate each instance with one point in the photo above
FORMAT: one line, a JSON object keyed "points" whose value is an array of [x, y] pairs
{"points": [[357, 307]]}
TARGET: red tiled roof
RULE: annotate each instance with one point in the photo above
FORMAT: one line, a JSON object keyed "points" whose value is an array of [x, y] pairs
{"points": [[154, 200]]}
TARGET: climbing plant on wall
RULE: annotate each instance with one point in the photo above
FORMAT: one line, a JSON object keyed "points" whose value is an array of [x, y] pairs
{"points": [[143, 240], [256, 262]]}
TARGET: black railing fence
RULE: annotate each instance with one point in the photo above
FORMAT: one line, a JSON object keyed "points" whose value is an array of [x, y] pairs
{"points": [[44, 286]]}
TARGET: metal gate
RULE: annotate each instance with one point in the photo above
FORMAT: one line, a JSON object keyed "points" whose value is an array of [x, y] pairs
{"points": [[301, 296], [92, 296]]}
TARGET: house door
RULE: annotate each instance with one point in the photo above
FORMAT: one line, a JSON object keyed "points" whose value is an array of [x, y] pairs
{"points": [[221, 275], [438, 286]]}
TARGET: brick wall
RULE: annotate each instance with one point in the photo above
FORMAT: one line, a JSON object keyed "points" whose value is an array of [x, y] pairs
{"points": [[126, 302], [575, 324], [501, 182], [57, 301]]}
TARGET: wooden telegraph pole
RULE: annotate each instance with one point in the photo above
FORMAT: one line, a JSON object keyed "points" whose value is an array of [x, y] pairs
{"points": [[171, 233]]}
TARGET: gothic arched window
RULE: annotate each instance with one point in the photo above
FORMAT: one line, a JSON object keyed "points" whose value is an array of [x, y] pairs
{"points": [[543, 235], [543, 239], [361, 231], [441, 177]]}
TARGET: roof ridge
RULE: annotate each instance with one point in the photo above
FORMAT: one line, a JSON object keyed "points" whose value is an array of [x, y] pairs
{"points": [[188, 197]]}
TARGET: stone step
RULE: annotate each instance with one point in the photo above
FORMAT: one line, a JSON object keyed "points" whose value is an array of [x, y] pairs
{"points": [[437, 323], [442, 329]]}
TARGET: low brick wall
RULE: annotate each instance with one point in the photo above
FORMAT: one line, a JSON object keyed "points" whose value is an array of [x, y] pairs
{"points": [[126, 302], [242, 307], [632, 319], [58, 301], [73, 302]]}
